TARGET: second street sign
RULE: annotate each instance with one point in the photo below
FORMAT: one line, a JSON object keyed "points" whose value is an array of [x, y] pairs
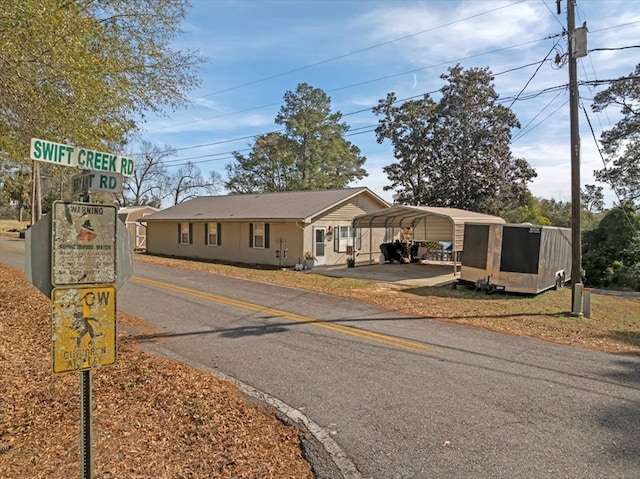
{"points": [[89, 181], [69, 155]]}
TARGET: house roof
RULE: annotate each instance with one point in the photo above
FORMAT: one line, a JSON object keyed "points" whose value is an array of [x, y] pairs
{"points": [[125, 213], [287, 206], [133, 209], [128, 209], [397, 216]]}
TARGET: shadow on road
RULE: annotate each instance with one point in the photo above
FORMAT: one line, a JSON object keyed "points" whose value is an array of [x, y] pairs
{"points": [[624, 420]]}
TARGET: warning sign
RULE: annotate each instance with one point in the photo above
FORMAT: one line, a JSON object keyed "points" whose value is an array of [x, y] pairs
{"points": [[83, 244], [83, 328]]}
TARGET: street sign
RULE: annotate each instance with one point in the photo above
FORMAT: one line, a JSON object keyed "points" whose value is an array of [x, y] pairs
{"points": [[83, 328], [90, 181], [69, 155], [83, 244], [37, 255]]}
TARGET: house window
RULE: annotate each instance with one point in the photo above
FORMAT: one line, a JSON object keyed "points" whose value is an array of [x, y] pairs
{"points": [[259, 235], [213, 234], [343, 237], [184, 233]]}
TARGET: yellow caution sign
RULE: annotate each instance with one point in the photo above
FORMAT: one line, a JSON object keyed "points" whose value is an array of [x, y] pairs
{"points": [[83, 327]]}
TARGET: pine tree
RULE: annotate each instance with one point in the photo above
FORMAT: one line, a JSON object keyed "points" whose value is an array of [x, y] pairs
{"points": [[311, 153]]}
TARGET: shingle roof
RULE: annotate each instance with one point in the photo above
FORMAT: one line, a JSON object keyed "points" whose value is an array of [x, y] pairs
{"points": [[290, 205]]}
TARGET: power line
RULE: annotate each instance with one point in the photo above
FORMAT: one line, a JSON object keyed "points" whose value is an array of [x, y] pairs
{"points": [[524, 131], [221, 142], [604, 163], [340, 57], [540, 122], [516, 98], [615, 26], [366, 82], [532, 95], [387, 76], [613, 48], [215, 117], [602, 82], [448, 62], [227, 155], [534, 74], [351, 132]]}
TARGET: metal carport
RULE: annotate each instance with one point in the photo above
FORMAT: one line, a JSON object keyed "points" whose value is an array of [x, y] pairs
{"points": [[429, 223]]}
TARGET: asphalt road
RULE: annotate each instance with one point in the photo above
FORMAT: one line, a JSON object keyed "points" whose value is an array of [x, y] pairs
{"points": [[402, 397]]}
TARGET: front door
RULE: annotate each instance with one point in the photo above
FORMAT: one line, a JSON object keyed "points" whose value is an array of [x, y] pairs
{"points": [[320, 245]]}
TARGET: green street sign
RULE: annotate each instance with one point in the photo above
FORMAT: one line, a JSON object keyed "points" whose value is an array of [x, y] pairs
{"points": [[76, 156]]}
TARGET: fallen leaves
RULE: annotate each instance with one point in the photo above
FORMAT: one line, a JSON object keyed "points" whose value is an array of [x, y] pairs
{"points": [[152, 417]]}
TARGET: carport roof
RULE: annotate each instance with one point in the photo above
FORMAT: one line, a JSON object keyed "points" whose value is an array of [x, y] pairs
{"points": [[406, 216]]}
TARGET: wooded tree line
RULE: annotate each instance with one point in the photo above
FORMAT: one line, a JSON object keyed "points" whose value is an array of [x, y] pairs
{"points": [[85, 72]]}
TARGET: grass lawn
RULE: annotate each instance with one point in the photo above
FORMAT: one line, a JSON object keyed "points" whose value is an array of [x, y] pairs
{"points": [[7, 225]]}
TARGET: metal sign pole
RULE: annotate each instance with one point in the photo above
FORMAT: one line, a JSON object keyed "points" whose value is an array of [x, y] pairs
{"points": [[86, 439], [86, 455]]}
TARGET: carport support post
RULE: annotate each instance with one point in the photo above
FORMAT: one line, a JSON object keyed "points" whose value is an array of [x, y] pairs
{"points": [[370, 246]]}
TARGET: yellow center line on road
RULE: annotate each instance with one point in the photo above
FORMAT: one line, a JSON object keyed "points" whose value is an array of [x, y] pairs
{"points": [[385, 339]]}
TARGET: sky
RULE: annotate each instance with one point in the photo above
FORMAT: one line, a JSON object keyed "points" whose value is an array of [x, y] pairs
{"points": [[359, 51]]}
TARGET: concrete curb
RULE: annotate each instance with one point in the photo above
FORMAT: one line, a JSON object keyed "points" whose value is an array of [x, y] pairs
{"points": [[346, 467]]}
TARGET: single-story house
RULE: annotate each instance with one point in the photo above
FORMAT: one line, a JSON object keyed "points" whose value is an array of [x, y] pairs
{"points": [[427, 224], [131, 216], [277, 229]]}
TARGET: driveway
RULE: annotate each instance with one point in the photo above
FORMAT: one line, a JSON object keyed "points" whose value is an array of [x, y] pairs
{"points": [[409, 274], [415, 274]]}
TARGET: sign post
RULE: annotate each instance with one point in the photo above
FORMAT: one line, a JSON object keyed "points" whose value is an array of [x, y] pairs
{"points": [[84, 337], [84, 269], [83, 256], [86, 432]]}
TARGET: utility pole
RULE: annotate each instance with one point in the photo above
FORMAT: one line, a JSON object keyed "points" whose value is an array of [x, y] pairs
{"points": [[576, 238]]}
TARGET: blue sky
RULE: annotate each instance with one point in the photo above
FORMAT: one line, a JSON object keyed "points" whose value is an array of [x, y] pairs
{"points": [[358, 51]]}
